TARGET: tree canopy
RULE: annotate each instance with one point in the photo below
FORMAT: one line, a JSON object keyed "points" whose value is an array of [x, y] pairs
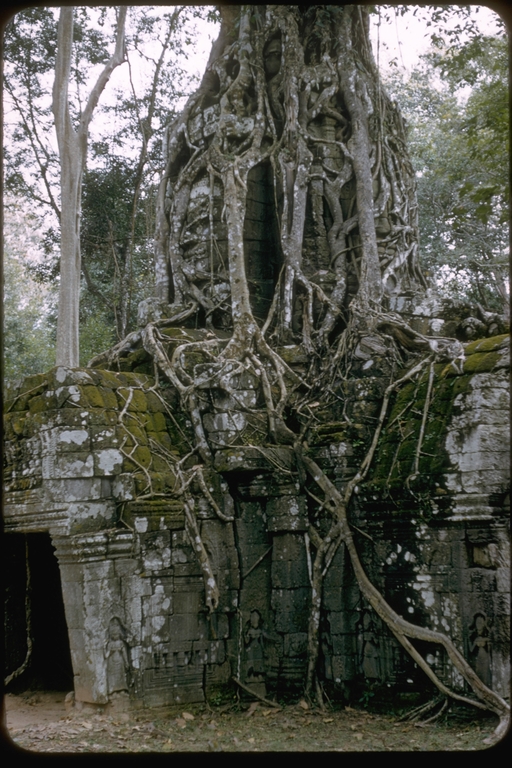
{"points": [[456, 107]]}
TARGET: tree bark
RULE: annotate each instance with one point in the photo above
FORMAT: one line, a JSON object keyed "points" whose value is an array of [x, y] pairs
{"points": [[72, 146], [296, 89]]}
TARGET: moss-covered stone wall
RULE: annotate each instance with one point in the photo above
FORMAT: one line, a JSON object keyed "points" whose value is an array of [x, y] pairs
{"points": [[93, 457]]}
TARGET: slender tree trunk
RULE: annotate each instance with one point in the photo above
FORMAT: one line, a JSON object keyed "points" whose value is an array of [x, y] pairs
{"points": [[73, 155]]}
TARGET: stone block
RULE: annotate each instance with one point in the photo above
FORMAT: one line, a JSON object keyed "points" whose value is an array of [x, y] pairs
{"points": [[287, 513], [503, 580], [482, 580], [332, 599], [295, 644], [289, 574], [103, 437], [493, 481], [72, 440], [343, 668], [95, 572], [185, 627], [251, 521], [216, 652], [73, 465], [156, 550], [135, 398], [341, 622], [71, 575], [288, 546], [188, 602], [219, 626], [73, 607], [91, 516], [108, 461], [77, 640], [291, 608]]}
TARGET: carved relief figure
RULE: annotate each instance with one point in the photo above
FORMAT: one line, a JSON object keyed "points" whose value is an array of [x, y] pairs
{"points": [[480, 647], [369, 648], [118, 663], [254, 638]]}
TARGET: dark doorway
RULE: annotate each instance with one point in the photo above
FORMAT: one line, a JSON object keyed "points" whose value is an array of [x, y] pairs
{"points": [[262, 244], [33, 597]]}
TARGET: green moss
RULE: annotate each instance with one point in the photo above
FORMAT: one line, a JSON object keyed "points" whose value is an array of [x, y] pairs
{"points": [[481, 362], [141, 483], [293, 355], [138, 401], [155, 422], [92, 397], [37, 381], [21, 402], [134, 380], [461, 385], [109, 398], [142, 454], [155, 405], [159, 465], [134, 433], [487, 345], [139, 356], [402, 399], [104, 378], [103, 418], [443, 389], [41, 403], [14, 425]]}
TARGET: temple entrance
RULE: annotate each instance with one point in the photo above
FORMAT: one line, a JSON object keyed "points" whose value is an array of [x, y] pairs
{"points": [[34, 609]]}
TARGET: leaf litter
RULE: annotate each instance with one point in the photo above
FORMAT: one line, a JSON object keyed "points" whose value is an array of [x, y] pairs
{"points": [[240, 727]]}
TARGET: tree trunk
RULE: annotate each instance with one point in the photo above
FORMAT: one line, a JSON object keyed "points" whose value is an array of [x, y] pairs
{"points": [[294, 92], [73, 155]]}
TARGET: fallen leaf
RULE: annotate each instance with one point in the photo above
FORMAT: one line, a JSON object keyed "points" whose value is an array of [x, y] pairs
{"points": [[251, 740], [303, 704], [182, 723], [187, 716], [358, 736], [266, 712], [329, 720]]}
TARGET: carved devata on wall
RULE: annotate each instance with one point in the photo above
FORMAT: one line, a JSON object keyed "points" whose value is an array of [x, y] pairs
{"points": [[285, 476]]}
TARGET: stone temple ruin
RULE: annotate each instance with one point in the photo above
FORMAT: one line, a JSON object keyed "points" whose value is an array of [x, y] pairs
{"points": [[85, 469], [106, 592]]}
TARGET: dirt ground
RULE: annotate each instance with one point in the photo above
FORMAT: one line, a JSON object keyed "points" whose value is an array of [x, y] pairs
{"points": [[39, 722]]}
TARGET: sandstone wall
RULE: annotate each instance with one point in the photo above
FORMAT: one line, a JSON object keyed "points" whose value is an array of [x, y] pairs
{"points": [[87, 458]]}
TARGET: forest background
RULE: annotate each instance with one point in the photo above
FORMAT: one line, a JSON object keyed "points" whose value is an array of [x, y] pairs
{"points": [[454, 98]]}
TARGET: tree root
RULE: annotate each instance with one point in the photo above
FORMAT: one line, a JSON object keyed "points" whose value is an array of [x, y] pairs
{"points": [[247, 689]]}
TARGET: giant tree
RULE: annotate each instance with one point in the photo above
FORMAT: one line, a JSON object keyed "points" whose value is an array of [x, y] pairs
{"points": [[287, 218]]}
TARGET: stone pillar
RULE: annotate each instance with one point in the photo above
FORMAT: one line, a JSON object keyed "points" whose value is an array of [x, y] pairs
{"points": [[92, 596]]}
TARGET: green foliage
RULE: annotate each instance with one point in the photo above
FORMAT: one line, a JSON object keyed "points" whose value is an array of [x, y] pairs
{"points": [[29, 306], [459, 143], [124, 161], [116, 245]]}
